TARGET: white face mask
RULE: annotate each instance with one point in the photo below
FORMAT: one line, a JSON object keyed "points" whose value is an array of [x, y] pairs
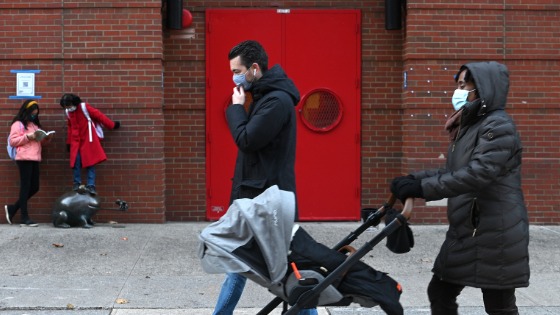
{"points": [[71, 108], [459, 98]]}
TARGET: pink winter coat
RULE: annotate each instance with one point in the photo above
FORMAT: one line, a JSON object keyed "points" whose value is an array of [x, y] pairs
{"points": [[27, 150], [92, 153]]}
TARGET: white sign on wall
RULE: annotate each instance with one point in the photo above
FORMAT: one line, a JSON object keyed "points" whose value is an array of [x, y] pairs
{"points": [[25, 84]]}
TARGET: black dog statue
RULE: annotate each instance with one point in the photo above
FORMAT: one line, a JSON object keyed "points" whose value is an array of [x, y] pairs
{"points": [[76, 208]]}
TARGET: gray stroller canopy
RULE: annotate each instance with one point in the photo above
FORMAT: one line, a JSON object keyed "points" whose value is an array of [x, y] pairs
{"points": [[256, 238], [253, 236]]}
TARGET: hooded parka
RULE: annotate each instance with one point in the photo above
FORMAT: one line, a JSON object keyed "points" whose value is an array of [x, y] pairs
{"points": [[486, 245], [265, 136]]}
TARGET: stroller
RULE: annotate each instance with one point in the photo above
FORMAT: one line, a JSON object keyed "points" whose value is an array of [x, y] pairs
{"points": [[259, 239]]}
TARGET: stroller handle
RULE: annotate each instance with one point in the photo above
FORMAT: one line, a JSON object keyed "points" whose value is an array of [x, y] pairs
{"points": [[407, 207], [373, 219]]}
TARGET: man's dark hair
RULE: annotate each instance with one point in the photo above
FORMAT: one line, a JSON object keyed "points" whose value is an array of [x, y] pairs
{"points": [[250, 52]]}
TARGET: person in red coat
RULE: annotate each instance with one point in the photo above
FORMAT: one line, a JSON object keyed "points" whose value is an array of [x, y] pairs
{"points": [[83, 142]]}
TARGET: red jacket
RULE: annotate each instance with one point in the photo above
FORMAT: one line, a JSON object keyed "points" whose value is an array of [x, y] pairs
{"points": [[92, 153]]}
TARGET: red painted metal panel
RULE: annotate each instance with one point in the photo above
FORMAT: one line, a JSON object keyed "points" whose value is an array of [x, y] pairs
{"points": [[226, 28], [326, 55], [320, 51]]}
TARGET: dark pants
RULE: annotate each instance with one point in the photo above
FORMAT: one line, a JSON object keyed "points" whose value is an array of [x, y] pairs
{"points": [[443, 299], [28, 186], [77, 172]]}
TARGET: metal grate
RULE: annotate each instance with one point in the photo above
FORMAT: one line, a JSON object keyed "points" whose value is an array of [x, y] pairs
{"points": [[321, 110]]}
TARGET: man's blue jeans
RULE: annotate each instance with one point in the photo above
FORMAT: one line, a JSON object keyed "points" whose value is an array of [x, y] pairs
{"points": [[231, 293]]}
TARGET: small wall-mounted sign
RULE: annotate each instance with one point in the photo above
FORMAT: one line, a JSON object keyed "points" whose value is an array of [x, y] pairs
{"points": [[25, 84]]}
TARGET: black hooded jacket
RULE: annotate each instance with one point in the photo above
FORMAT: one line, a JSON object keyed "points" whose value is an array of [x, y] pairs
{"points": [[265, 136], [486, 245]]}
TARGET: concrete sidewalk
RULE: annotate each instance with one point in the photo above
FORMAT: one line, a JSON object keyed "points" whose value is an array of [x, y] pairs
{"points": [[140, 269]]}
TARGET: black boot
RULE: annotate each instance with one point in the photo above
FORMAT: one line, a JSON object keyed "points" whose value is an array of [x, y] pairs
{"points": [[91, 190]]}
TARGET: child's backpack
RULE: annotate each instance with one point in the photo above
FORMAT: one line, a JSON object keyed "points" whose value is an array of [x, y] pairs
{"points": [[12, 151], [98, 127]]}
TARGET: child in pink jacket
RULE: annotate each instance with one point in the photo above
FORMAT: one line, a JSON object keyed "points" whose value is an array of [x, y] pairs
{"points": [[28, 157]]}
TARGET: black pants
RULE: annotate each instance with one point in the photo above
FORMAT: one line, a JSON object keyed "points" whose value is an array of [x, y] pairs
{"points": [[28, 186], [443, 299]]}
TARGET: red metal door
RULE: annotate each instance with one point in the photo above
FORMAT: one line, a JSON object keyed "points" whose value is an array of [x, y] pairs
{"points": [[320, 51]]}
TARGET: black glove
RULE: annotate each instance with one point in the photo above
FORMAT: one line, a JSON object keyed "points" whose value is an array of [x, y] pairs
{"points": [[404, 187], [67, 148], [409, 176], [117, 125], [399, 178]]}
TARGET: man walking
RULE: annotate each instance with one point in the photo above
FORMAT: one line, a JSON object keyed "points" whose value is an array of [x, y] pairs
{"points": [[265, 135]]}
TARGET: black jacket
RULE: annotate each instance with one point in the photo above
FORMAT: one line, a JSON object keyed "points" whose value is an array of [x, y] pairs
{"points": [[486, 245], [265, 136]]}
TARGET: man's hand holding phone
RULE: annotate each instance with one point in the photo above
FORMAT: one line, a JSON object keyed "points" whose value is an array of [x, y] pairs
{"points": [[238, 96]]}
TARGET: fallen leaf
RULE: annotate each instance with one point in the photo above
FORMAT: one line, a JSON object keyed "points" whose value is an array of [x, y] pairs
{"points": [[121, 301], [124, 238], [58, 245], [69, 306]]}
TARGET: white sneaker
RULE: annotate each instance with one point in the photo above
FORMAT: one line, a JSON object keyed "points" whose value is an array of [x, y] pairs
{"points": [[29, 223], [7, 214]]}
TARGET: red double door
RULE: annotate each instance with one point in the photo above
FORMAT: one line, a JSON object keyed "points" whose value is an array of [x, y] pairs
{"points": [[320, 51]]}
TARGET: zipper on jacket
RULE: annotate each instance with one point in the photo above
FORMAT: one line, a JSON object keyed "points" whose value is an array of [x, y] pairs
{"points": [[475, 219]]}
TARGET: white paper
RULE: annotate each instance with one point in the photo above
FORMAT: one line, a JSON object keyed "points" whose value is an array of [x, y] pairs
{"points": [[25, 84]]}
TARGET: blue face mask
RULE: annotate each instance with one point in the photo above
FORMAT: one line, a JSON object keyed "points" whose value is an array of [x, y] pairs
{"points": [[459, 98], [32, 117], [240, 79]]}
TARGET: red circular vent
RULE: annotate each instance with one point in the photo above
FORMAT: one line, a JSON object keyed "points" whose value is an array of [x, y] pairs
{"points": [[321, 110]]}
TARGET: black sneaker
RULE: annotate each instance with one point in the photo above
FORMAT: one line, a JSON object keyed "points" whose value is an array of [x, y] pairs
{"points": [[29, 223], [8, 216], [91, 190], [76, 186]]}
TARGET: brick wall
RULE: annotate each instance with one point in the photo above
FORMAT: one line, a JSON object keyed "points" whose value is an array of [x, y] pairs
{"points": [[117, 56], [110, 53]]}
